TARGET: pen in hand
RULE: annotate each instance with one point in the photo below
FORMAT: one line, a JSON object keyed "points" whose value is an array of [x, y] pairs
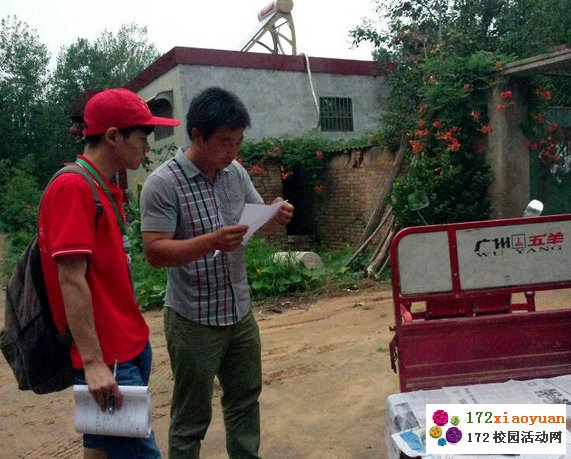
{"points": [[111, 406]]}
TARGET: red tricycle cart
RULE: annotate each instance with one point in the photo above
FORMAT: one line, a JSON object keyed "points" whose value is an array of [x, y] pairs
{"points": [[456, 322]]}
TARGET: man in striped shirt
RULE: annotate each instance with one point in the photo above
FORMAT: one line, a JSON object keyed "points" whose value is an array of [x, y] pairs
{"points": [[190, 207]]}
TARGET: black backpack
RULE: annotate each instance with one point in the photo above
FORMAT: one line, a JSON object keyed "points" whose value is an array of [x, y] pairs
{"points": [[37, 353]]}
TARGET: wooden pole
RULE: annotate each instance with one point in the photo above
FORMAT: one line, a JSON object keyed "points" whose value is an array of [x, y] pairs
{"points": [[381, 243], [382, 254], [377, 214], [370, 238]]}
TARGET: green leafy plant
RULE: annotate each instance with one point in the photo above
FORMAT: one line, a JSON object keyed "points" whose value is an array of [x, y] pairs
{"points": [[270, 277], [545, 138], [305, 155], [160, 155], [448, 141], [267, 276], [150, 283], [445, 57], [19, 200]]}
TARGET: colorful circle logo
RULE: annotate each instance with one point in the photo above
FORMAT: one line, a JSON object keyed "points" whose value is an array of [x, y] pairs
{"points": [[453, 434]]}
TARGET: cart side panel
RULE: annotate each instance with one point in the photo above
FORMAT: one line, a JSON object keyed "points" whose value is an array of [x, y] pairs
{"points": [[462, 351]]}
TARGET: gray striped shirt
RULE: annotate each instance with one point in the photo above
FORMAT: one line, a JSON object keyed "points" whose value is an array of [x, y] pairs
{"points": [[178, 198]]}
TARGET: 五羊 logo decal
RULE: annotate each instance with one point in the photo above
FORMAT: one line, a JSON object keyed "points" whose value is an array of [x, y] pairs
{"points": [[446, 430], [521, 244]]}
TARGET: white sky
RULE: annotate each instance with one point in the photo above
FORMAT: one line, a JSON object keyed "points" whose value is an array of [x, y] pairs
{"points": [[321, 29]]}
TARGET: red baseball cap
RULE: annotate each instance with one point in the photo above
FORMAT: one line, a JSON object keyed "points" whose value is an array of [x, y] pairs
{"points": [[119, 108]]}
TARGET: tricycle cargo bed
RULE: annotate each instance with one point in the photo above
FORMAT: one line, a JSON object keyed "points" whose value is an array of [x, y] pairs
{"points": [[461, 351], [455, 321]]}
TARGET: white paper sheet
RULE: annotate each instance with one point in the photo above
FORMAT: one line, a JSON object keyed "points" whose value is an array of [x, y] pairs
{"points": [[132, 420], [255, 215], [513, 391]]}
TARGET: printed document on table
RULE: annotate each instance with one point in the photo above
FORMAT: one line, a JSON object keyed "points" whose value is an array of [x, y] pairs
{"points": [[132, 420], [512, 391], [255, 215], [563, 382]]}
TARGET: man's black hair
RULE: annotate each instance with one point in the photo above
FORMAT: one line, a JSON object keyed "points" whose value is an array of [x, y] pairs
{"points": [[93, 140], [213, 109]]}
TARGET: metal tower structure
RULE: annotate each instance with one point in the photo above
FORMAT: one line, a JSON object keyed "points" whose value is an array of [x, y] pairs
{"points": [[275, 24]]}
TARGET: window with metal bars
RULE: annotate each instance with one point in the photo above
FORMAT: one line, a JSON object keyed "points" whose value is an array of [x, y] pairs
{"points": [[335, 114]]}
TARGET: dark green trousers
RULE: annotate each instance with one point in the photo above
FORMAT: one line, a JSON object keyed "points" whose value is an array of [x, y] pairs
{"points": [[198, 353]]}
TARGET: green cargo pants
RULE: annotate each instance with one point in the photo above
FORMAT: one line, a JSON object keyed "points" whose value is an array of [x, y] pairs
{"points": [[198, 353]]}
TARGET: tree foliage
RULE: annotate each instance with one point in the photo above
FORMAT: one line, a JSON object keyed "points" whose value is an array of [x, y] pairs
{"points": [[23, 62], [36, 103], [447, 54], [413, 29], [407, 32], [448, 143], [109, 61], [19, 200]]}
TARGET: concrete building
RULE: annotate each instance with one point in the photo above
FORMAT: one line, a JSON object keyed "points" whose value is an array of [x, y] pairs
{"points": [[285, 95]]}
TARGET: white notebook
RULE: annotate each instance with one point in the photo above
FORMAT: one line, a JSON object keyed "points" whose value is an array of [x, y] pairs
{"points": [[132, 420]]}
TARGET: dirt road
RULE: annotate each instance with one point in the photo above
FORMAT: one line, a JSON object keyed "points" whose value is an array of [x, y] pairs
{"points": [[326, 378]]}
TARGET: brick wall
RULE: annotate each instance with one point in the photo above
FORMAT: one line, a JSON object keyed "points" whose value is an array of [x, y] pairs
{"points": [[352, 185], [269, 182], [269, 185]]}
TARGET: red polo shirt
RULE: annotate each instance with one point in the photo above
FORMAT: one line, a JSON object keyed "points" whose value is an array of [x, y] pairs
{"points": [[67, 227]]}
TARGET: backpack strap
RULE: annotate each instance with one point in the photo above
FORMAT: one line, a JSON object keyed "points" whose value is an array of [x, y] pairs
{"points": [[75, 168]]}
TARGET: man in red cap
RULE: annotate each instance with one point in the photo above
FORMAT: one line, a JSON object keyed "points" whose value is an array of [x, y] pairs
{"points": [[85, 258]]}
